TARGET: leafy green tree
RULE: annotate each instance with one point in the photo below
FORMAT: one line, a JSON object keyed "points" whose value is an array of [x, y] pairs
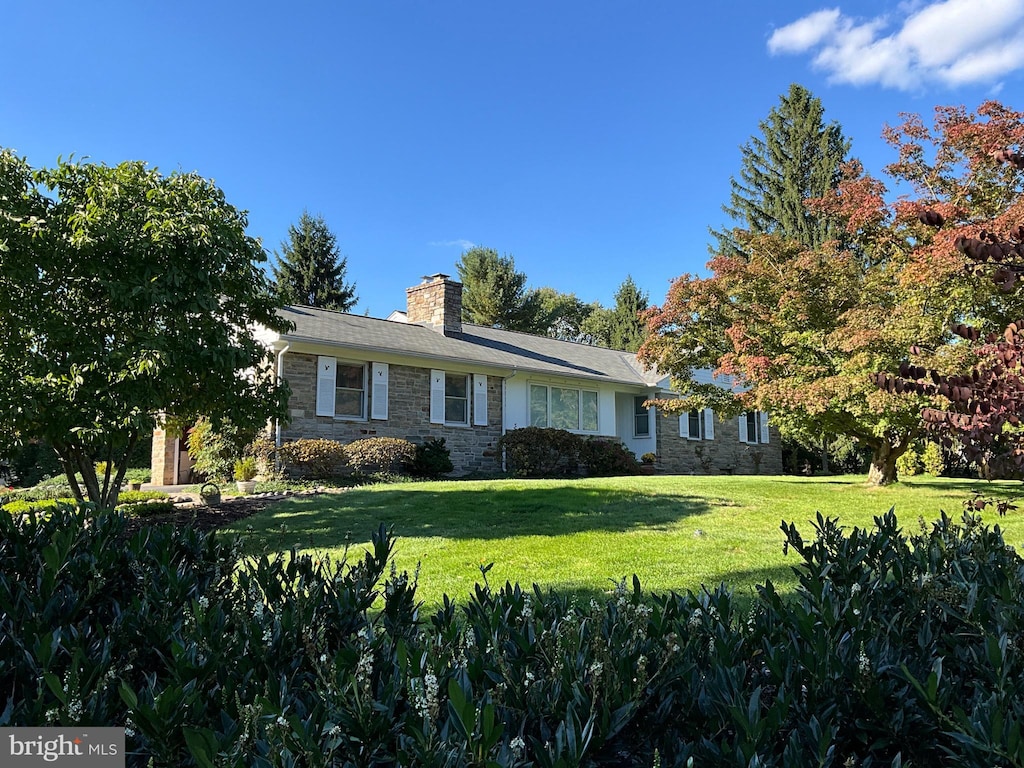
{"points": [[563, 315], [495, 294], [310, 270], [127, 299], [796, 157]]}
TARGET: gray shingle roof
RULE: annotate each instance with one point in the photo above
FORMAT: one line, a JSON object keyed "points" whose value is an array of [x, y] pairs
{"points": [[476, 344]]}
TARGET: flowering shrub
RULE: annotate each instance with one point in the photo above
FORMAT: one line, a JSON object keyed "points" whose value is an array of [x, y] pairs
{"points": [[374, 455], [894, 650], [314, 458]]}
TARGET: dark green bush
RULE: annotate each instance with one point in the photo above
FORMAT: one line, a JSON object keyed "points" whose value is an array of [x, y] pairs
{"points": [[31, 463], [146, 508], [541, 452], [894, 650], [433, 459], [314, 458], [607, 457], [377, 455]]}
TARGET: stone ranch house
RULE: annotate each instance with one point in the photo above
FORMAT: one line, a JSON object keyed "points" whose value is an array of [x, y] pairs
{"points": [[425, 374]]}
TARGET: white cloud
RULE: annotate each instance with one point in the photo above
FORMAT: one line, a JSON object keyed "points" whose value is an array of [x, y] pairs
{"points": [[804, 33], [463, 244], [952, 42]]}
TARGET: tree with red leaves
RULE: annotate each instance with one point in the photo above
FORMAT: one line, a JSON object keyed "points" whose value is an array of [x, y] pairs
{"points": [[803, 331]]}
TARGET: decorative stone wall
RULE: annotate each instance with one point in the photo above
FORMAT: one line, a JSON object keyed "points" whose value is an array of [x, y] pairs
{"points": [[473, 448], [437, 302], [723, 455]]}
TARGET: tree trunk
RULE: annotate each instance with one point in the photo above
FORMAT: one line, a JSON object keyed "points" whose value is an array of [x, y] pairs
{"points": [[883, 465], [825, 469]]}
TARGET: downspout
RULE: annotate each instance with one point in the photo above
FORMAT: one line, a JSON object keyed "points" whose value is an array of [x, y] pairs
{"points": [[504, 413], [280, 375]]}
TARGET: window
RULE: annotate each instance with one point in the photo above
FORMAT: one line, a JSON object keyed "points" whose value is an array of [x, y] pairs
{"points": [[693, 424], [697, 425], [456, 398], [453, 394], [641, 417], [563, 408], [350, 391], [754, 427], [341, 388]]}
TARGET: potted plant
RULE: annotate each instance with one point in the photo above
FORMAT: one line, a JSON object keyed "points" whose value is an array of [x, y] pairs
{"points": [[245, 473], [647, 463]]}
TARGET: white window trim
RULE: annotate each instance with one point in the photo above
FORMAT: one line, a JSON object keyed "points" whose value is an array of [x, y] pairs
{"points": [[468, 398], [320, 407], [761, 435], [579, 394], [636, 435], [364, 405], [685, 419]]}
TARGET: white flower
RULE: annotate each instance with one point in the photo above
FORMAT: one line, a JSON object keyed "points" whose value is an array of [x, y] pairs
{"points": [[855, 589], [529, 677], [517, 745], [204, 602], [695, 618], [281, 721]]}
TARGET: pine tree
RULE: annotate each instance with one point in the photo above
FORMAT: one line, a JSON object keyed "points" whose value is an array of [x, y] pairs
{"points": [[626, 330], [310, 270], [495, 294], [796, 157]]}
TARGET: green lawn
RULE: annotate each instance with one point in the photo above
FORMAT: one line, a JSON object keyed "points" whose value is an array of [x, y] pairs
{"points": [[673, 532]]}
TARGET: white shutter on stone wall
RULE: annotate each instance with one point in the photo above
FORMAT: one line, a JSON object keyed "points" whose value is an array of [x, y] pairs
{"points": [[709, 424], [479, 399], [379, 391], [764, 427], [326, 371], [743, 427], [684, 426], [437, 397]]}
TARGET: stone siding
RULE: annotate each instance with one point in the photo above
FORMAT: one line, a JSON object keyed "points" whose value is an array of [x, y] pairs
{"points": [[473, 448], [724, 455]]}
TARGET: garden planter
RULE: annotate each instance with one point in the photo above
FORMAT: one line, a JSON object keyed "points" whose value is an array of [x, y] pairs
{"points": [[209, 494], [245, 486]]}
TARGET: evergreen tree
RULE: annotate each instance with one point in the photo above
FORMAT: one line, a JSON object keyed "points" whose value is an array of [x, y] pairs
{"points": [[796, 157], [310, 270], [495, 294], [626, 330]]}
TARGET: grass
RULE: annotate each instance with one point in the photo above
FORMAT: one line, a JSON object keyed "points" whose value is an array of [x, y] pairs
{"points": [[675, 533]]}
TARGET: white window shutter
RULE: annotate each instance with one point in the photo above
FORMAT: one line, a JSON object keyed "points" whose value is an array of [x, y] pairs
{"points": [[743, 428], [684, 425], [764, 427], [379, 391], [437, 397], [479, 399], [709, 424], [326, 372]]}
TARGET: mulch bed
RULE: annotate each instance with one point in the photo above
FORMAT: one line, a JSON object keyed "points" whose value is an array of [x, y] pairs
{"points": [[204, 518]]}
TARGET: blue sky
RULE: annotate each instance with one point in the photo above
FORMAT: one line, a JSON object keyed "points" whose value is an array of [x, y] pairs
{"points": [[588, 139]]}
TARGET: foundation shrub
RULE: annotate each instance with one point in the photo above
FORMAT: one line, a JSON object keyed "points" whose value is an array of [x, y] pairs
{"points": [[381, 455], [895, 649], [433, 459], [602, 457], [934, 463], [314, 458], [541, 452]]}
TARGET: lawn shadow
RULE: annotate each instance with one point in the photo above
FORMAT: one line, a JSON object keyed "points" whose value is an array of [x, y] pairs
{"points": [[742, 584], [473, 513]]}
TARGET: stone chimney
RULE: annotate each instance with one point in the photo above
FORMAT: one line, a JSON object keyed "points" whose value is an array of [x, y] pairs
{"points": [[436, 302]]}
